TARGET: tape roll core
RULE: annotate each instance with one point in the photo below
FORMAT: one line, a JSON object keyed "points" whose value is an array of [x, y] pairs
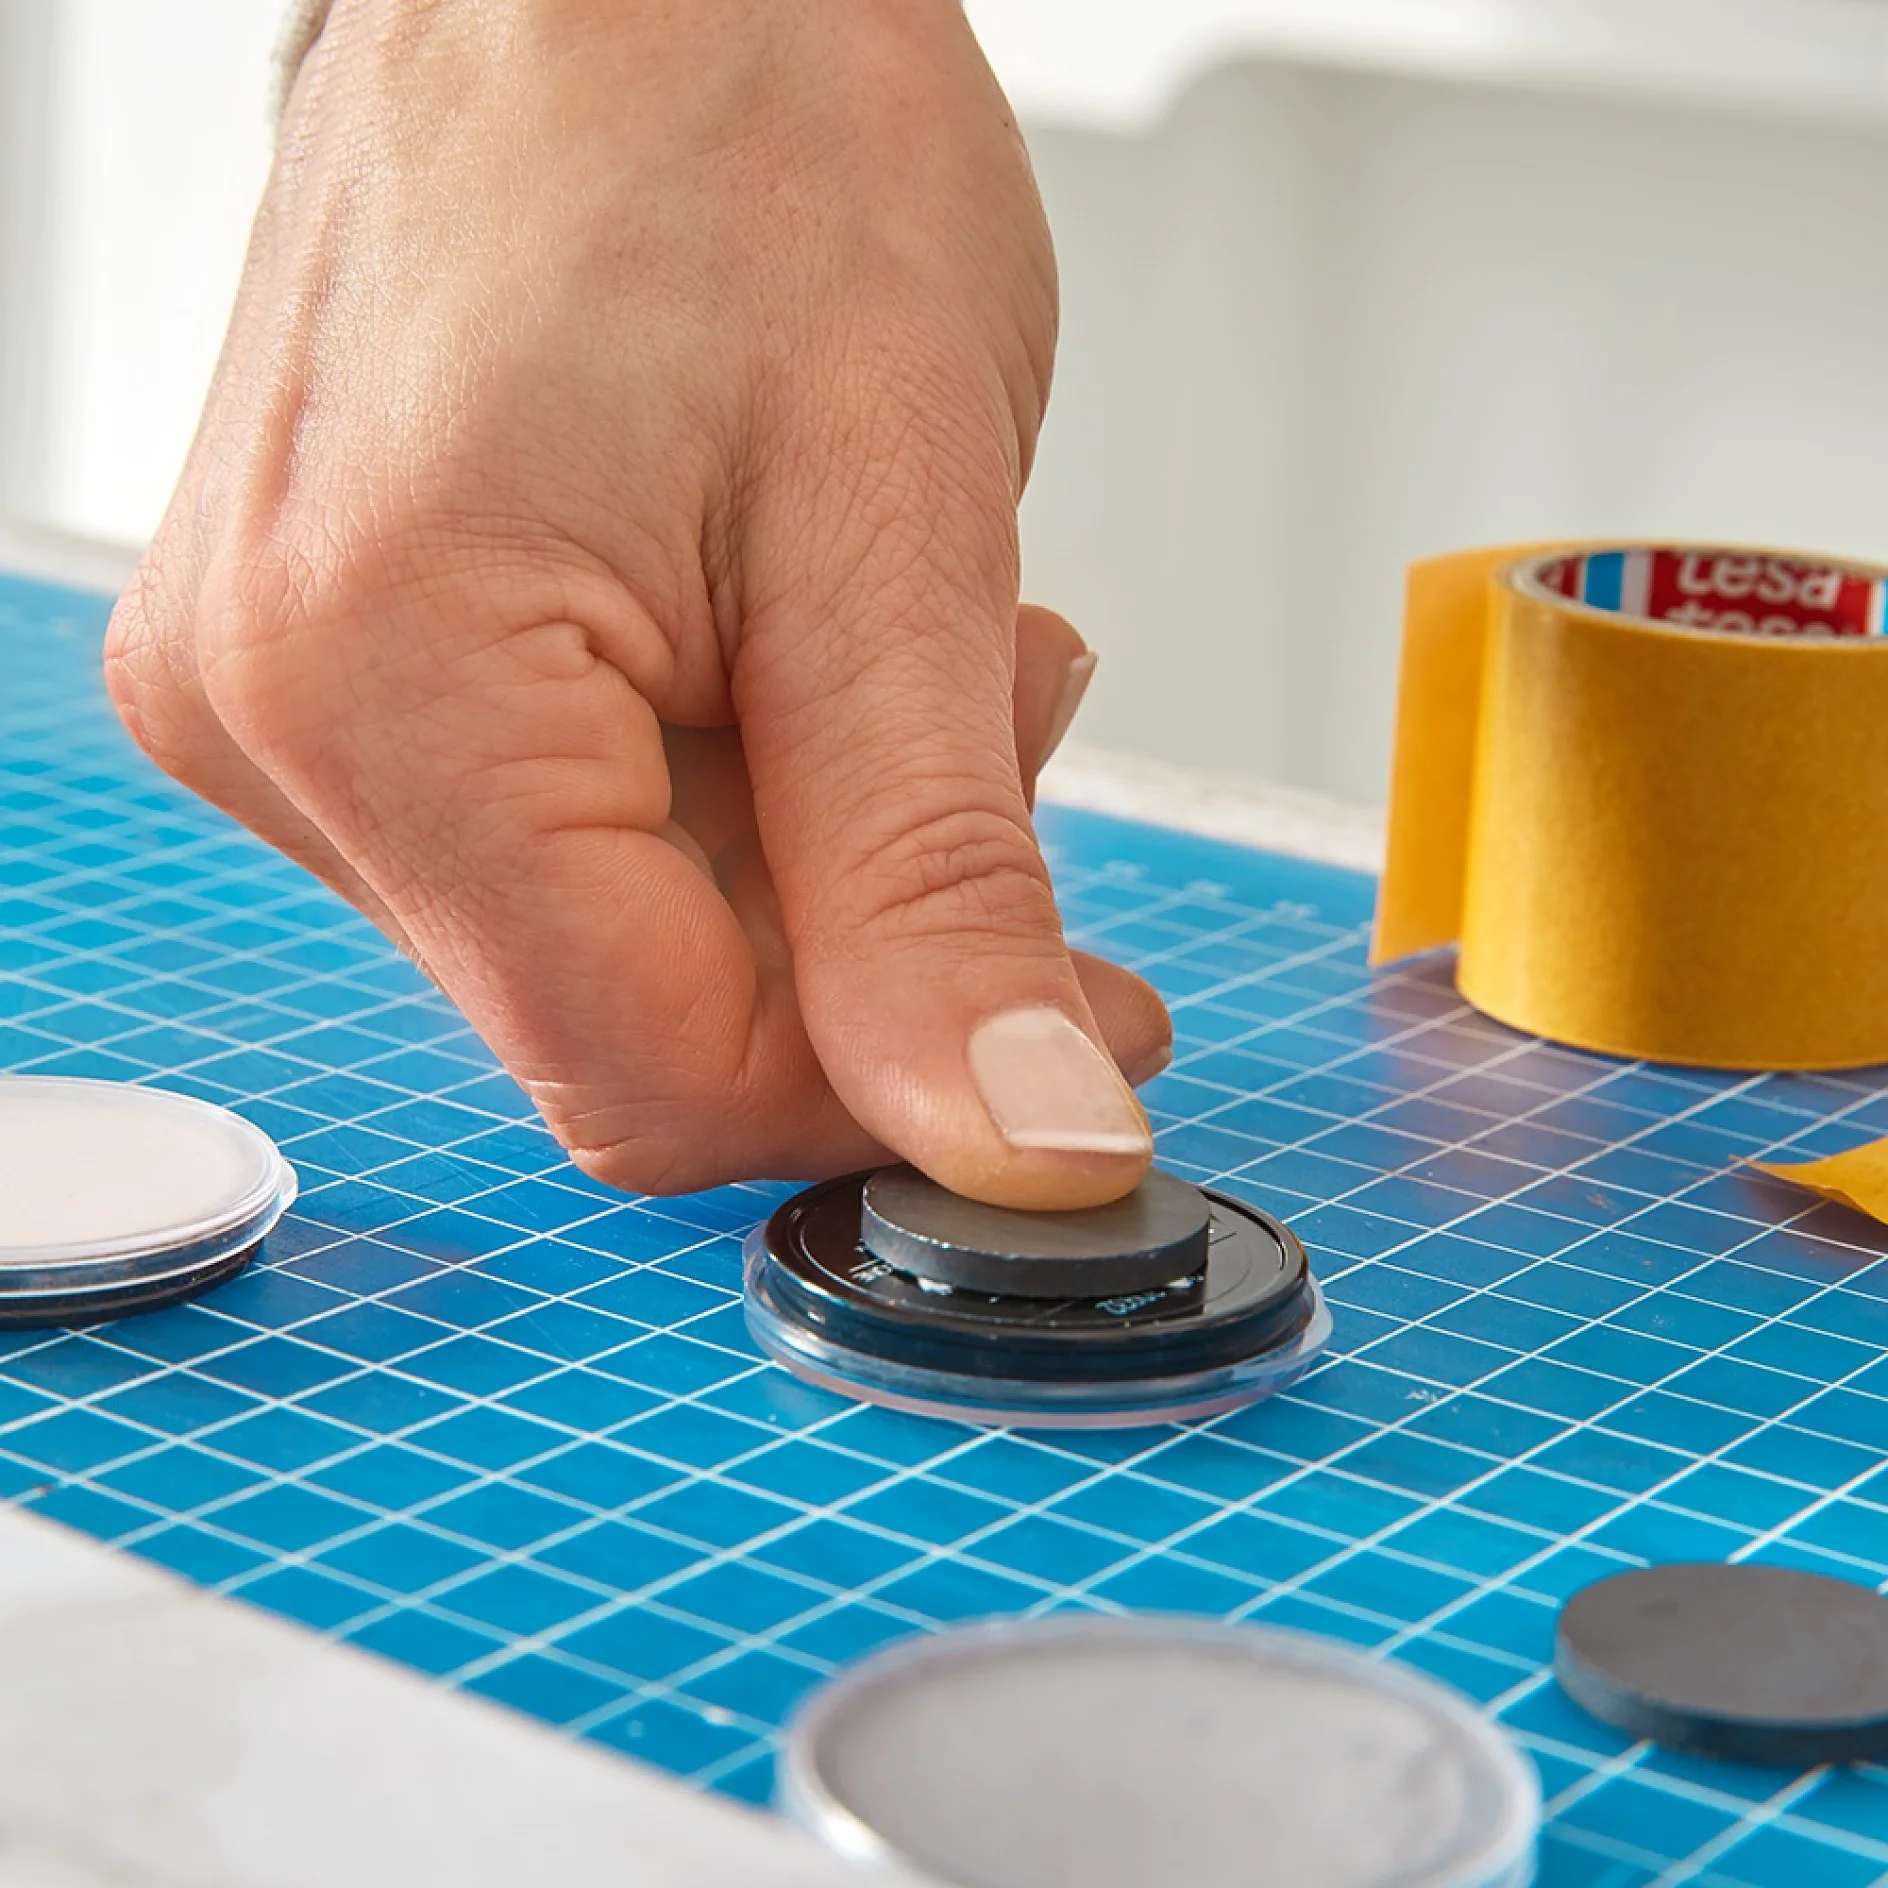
{"points": [[1646, 786]]}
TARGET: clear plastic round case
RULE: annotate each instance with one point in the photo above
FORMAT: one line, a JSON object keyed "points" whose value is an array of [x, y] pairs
{"points": [[1249, 1322], [1149, 1752], [117, 1198]]}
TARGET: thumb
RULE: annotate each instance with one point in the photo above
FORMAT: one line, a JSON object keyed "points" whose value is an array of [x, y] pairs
{"points": [[932, 975]]}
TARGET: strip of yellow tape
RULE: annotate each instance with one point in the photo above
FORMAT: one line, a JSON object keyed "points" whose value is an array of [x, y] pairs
{"points": [[1646, 788], [1858, 1178]]}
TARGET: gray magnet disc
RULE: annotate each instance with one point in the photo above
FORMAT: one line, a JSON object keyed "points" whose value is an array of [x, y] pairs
{"points": [[1158, 1753], [1142, 1243], [1755, 1664]]}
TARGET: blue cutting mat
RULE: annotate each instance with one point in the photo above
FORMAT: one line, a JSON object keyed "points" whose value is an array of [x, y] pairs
{"points": [[479, 1415]]}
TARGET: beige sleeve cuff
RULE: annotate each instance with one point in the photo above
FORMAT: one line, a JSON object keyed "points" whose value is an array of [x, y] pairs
{"points": [[300, 30]]}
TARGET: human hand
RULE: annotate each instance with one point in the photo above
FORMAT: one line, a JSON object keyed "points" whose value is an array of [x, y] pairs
{"points": [[627, 400]]}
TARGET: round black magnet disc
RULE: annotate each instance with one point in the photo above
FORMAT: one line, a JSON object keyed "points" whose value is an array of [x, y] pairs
{"points": [[1761, 1665], [1245, 1324], [1141, 1243]]}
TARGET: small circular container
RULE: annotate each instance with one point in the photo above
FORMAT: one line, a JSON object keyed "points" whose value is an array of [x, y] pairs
{"points": [[1157, 1753], [1246, 1325], [116, 1198]]}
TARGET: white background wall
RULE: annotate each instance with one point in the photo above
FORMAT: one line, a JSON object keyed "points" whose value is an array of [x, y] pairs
{"points": [[1319, 323], [146, 144], [1400, 277]]}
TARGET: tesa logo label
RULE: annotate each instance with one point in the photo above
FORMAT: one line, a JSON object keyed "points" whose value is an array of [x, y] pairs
{"points": [[1737, 592], [1767, 579], [1760, 596]]}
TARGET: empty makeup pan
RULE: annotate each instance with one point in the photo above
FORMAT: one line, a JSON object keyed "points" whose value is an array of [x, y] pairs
{"points": [[116, 1198], [1124, 1752]]}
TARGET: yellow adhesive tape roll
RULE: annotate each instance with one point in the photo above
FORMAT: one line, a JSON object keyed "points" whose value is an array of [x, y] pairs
{"points": [[1646, 788]]}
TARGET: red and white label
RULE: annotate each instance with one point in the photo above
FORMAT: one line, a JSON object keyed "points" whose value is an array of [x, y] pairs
{"points": [[1763, 596], [1737, 592]]}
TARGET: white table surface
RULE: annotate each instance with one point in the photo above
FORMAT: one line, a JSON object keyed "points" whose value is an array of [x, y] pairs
{"points": [[152, 1734]]}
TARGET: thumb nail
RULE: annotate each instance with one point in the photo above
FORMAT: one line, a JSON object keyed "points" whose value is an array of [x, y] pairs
{"points": [[1048, 1086]]}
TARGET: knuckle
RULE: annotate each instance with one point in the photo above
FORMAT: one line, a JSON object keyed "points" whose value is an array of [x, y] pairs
{"points": [[304, 629], [148, 655], [895, 408], [951, 872], [312, 627], [645, 1137], [127, 668], [658, 1165], [246, 645], [637, 1167]]}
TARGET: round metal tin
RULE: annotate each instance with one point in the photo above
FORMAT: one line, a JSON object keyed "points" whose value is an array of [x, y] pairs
{"points": [[116, 1198], [818, 1301], [1143, 1752]]}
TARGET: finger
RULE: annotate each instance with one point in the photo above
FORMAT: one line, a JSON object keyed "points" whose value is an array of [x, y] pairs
{"points": [[152, 676], [1130, 1015], [712, 799], [713, 822], [874, 686], [503, 792], [1053, 669]]}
